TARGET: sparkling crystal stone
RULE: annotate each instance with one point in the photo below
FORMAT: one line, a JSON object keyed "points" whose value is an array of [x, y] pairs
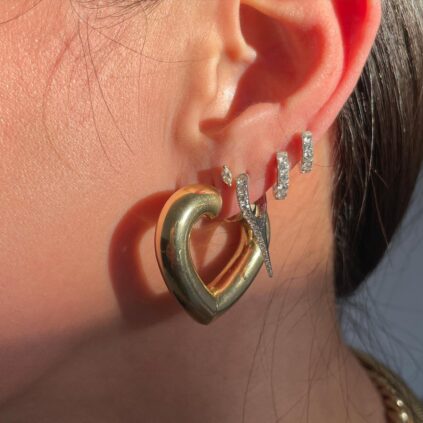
{"points": [[227, 175], [308, 137]]}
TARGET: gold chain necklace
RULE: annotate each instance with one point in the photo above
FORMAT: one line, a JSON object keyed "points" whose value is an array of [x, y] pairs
{"points": [[401, 405]]}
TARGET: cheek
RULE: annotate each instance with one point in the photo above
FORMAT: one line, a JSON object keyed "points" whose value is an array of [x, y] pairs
{"points": [[54, 285], [94, 139]]}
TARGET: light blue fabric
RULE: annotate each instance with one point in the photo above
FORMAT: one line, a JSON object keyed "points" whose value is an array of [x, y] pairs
{"points": [[385, 318]]}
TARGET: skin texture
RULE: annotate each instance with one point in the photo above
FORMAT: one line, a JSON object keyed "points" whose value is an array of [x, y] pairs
{"points": [[102, 117]]}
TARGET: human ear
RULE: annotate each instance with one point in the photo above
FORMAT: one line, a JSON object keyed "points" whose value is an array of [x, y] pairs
{"points": [[280, 68]]}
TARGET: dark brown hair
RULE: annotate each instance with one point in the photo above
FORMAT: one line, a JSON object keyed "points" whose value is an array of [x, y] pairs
{"points": [[379, 146]]}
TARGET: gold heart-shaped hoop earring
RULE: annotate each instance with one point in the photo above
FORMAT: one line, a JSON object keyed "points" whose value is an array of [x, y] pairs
{"points": [[181, 211]]}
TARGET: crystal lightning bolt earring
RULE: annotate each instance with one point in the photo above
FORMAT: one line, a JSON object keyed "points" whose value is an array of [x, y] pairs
{"points": [[256, 217]]}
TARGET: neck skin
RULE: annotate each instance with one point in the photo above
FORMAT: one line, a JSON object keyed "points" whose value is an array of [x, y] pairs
{"points": [[277, 355]]}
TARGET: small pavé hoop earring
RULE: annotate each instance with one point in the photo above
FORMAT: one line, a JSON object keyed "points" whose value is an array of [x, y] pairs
{"points": [[280, 189], [308, 152]]}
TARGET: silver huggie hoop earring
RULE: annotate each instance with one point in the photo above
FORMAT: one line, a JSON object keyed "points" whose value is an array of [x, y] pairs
{"points": [[308, 152], [280, 189]]}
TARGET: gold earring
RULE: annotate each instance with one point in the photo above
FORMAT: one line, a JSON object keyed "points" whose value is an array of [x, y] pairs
{"points": [[181, 211]]}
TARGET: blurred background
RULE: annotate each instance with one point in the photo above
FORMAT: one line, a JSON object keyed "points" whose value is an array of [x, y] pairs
{"points": [[385, 317]]}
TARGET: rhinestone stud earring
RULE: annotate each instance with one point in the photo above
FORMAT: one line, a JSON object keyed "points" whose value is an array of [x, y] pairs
{"points": [[226, 175]]}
